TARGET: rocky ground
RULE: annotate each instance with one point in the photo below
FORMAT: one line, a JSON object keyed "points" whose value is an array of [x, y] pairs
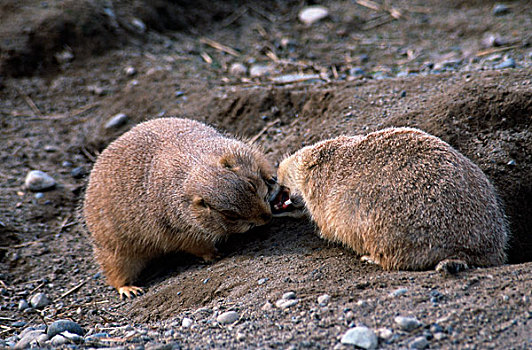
{"points": [[76, 74]]}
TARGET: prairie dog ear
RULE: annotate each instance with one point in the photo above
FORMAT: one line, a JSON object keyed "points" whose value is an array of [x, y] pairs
{"points": [[229, 161], [199, 202]]}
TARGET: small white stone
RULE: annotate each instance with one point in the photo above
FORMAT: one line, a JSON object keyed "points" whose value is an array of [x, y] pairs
{"points": [[240, 336], [267, 306], [130, 71], [407, 323], [289, 295], [363, 337], [398, 292], [312, 14], [384, 333], [116, 121], [324, 299], [419, 343], [39, 301], [72, 337], [238, 69], [59, 340], [37, 180], [187, 322], [139, 25], [259, 70], [228, 317], [285, 304]]}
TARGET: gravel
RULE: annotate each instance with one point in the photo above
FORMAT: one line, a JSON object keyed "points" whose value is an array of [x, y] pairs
{"points": [[324, 299], [38, 180], [228, 317], [39, 300], [419, 343], [362, 337], [313, 14], [507, 63], [116, 121], [61, 326], [407, 323]]}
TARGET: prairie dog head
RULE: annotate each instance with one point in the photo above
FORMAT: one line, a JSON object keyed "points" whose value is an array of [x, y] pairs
{"points": [[289, 201], [230, 193]]}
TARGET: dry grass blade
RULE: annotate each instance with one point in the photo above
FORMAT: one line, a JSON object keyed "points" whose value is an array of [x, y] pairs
{"points": [[29, 102], [495, 50], [220, 47], [206, 57], [74, 289], [264, 129]]}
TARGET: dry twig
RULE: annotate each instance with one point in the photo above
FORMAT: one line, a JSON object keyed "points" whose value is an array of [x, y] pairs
{"points": [[29, 102], [495, 50], [74, 289], [220, 47], [264, 129]]}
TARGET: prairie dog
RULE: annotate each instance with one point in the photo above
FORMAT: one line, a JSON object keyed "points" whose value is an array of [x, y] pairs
{"points": [[169, 185], [404, 198]]}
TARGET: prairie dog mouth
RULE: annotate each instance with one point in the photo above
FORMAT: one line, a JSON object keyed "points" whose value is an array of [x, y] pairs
{"points": [[281, 202]]}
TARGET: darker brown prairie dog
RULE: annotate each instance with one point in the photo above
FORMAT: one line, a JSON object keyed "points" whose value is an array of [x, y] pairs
{"points": [[402, 197], [170, 185]]}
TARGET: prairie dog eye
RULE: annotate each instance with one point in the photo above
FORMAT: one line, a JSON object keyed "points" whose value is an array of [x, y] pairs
{"points": [[253, 186], [272, 180], [230, 215]]}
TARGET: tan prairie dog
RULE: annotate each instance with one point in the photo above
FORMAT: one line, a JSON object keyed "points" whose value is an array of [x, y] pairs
{"points": [[171, 185], [405, 199]]}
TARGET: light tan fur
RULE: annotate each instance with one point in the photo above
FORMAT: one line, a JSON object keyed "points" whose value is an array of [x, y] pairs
{"points": [[405, 198], [171, 185]]}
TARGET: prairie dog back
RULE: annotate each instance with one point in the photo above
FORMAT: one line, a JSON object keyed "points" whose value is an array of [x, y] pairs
{"points": [[170, 185], [405, 198]]}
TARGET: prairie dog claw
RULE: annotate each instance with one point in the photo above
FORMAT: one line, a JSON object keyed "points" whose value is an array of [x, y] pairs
{"points": [[129, 292]]}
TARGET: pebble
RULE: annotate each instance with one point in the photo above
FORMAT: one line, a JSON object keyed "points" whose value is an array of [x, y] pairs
{"points": [[289, 295], [385, 333], [407, 323], [500, 9], [363, 337], [398, 292], [59, 340], [262, 281], [187, 322], [228, 317], [313, 14], [259, 70], [238, 69], [285, 304], [356, 71], [324, 299], [267, 306], [38, 180], [507, 63], [73, 337], [28, 338], [78, 172], [440, 336], [130, 71], [64, 56], [116, 121], [419, 343], [139, 25], [23, 305], [294, 78], [39, 300], [61, 326]]}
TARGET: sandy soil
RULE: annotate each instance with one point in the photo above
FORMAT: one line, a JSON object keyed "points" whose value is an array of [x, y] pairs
{"points": [[434, 67]]}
